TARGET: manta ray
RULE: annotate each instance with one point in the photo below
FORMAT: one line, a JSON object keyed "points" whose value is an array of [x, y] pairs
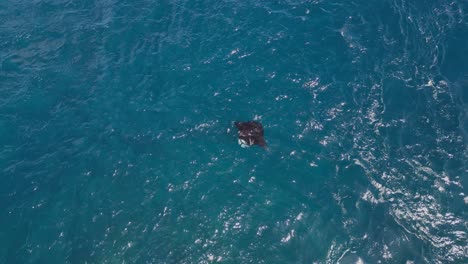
{"points": [[250, 133]]}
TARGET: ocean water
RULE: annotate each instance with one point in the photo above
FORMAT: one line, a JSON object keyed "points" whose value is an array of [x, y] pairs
{"points": [[118, 145]]}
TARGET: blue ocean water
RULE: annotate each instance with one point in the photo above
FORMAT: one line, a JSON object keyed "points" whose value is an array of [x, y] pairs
{"points": [[118, 145]]}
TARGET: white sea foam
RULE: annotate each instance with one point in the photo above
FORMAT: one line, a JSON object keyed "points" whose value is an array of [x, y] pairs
{"points": [[288, 237]]}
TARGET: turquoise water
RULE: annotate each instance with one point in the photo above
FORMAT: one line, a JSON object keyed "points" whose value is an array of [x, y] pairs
{"points": [[118, 144]]}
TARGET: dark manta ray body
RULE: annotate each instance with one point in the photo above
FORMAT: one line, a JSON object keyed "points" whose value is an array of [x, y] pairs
{"points": [[250, 133]]}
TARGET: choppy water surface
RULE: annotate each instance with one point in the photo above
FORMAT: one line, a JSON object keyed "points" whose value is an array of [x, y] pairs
{"points": [[117, 143]]}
